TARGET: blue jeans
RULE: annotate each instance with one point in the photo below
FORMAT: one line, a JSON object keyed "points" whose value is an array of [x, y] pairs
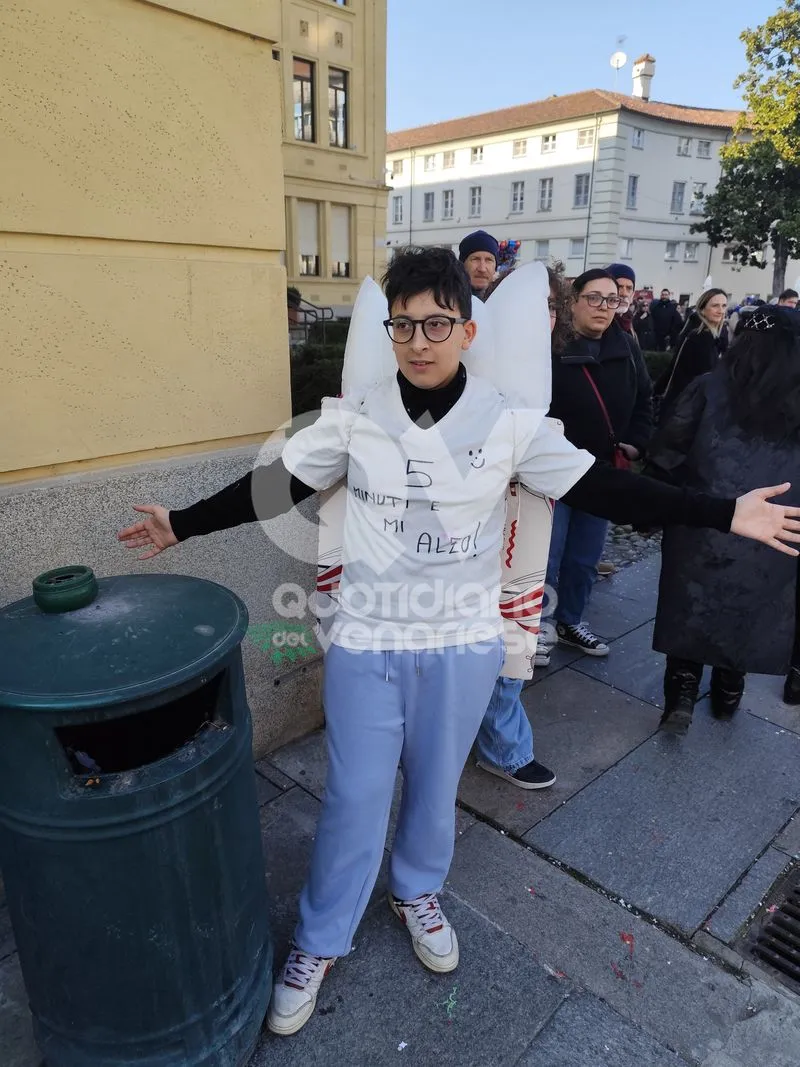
{"points": [[505, 738], [576, 546]]}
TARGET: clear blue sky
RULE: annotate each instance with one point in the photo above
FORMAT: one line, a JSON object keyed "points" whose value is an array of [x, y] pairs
{"points": [[449, 58]]}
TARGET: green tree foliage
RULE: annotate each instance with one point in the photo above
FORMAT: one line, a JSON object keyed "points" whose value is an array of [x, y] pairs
{"points": [[756, 204], [771, 83]]}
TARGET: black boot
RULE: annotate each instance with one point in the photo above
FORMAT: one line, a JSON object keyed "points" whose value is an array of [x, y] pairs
{"points": [[726, 692], [681, 686], [791, 690]]}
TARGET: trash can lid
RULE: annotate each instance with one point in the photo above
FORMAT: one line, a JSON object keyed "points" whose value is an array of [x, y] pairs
{"points": [[142, 635]]}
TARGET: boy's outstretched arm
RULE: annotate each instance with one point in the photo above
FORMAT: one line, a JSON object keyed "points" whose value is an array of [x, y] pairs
{"points": [[551, 465], [262, 493]]}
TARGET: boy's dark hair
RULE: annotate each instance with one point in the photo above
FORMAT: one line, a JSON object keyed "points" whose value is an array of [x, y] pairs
{"points": [[592, 275], [422, 270], [788, 294]]}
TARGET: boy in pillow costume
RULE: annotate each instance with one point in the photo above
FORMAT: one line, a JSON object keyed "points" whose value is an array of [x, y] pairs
{"points": [[416, 642]]}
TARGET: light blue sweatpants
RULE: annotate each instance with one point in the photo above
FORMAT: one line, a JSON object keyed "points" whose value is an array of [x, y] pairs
{"points": [[420, 710]]}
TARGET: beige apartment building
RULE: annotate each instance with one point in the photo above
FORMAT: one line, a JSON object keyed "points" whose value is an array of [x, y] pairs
{"points": [[169, 166]]}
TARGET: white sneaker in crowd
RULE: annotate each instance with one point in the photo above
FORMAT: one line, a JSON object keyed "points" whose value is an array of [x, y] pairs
{"points": [[433, 938], [294, 995]]}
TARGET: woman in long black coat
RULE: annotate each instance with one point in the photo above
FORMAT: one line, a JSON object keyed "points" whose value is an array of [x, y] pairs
{"points": [[724, 602], [700, 345]]}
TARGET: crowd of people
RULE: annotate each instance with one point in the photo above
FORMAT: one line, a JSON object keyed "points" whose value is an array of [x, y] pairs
{"points": [[406, 686]]}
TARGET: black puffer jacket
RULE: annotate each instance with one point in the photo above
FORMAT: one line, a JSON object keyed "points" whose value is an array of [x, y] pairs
{"points": [[619, 372], [723, 601], [667, 321]]}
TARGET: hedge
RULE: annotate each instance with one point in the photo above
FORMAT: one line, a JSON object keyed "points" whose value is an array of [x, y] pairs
{"points": [[316, 371]]}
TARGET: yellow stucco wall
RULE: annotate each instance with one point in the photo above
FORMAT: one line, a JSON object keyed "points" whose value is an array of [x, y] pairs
{"points": [[141, 226]]}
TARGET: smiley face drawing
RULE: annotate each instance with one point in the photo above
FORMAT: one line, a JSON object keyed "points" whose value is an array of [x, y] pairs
{"points": [[477, 459]]}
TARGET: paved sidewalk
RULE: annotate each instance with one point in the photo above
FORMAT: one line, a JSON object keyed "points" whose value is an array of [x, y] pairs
{"points": [[598, 920]]}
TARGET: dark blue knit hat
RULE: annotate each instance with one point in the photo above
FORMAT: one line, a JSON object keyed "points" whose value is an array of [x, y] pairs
{"points": [[621, 270], [479, 241]]}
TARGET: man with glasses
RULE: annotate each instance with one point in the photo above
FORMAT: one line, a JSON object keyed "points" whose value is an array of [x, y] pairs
{"points": [[478, 252], [603, 395]]}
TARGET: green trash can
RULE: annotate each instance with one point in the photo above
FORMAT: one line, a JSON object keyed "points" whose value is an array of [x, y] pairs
{"points": [[129, 831]]}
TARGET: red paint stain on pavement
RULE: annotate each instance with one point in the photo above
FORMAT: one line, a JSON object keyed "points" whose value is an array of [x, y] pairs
{"points": [[628, 940]]}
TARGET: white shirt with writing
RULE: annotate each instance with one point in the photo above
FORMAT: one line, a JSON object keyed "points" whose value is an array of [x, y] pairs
{"points": [[425, 510]]}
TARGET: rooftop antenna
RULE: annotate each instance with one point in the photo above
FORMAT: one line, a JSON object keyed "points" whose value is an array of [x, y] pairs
{"points": [[618, 59]]}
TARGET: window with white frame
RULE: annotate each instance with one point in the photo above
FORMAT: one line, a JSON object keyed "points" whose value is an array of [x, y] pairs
{"points": [[542, 249], [678, 196], [448, 160], [633, 192], [586, 137], [581, 196], [728, 255], [520, 148], [476, 154], [697, 206], [690, 251], [430, 162], [517, 197], [671, 251], [397, 168], [548, 143], [626, 248], [577, 247], [545, 194], [428, 207], [637, 139], [448, 199], [475, 197], [684, 146], [397, 210], [308, 237], [704, 150], [340, 240]]}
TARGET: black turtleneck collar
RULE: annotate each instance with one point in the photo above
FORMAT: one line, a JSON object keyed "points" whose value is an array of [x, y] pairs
{"points": [[428, 406]]}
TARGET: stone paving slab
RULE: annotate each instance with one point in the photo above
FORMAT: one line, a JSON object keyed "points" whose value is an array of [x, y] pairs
{"points": [[788, 840], [674, 826], [266, 790], [639, 582], [612, 616], [682, 1000], [763, 698], [631, 666], [585, 1032], [581, 728], [269, 771], [744, 900], [380, 997], [560, 657]]}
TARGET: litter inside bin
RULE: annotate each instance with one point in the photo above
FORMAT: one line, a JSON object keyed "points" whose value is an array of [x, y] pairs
{"points": [[116, 745]]}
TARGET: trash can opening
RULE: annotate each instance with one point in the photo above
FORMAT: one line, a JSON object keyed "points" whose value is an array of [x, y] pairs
{"points": [[112, 746]]}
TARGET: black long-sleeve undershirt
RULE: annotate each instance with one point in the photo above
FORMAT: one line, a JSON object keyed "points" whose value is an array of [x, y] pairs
{"points": [[618, 495]]}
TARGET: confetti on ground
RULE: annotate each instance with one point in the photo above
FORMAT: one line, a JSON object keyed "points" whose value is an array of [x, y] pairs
{"points": [[530, 890], [402, 1045], [450, 1003], [772, 909], [628, 940], [553, 973], [520, 806], [618, 972]]}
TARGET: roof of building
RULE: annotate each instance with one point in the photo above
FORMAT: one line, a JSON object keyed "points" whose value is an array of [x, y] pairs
{"points": [[554, 109]]}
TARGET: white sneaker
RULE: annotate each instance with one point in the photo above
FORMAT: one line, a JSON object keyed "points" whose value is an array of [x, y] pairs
{"points": [[433, 938], [294, 995]]}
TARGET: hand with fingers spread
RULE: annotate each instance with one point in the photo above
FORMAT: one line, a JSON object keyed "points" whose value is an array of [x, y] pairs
{"points": [[155, 533], [773, 524]]}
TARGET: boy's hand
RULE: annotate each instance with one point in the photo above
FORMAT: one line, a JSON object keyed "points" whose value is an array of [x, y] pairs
{"points": [[770, 523], [155, 533]]}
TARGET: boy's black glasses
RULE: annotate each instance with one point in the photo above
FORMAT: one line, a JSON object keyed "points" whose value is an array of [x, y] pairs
{"points": [[434, 327]]}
